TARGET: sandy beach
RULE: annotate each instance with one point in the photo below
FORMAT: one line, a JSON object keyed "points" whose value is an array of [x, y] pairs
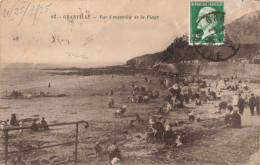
{"points": [[87, 99]]}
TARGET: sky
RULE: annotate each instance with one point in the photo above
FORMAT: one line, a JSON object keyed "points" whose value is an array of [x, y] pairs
{"points": [[29, 33]]}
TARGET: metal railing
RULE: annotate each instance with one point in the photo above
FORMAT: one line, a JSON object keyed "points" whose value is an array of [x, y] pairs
{"points": [[6, 153]]}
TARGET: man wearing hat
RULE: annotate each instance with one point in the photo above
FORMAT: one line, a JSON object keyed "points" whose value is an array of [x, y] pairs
{"points": [[252, 104], [241, 105]]}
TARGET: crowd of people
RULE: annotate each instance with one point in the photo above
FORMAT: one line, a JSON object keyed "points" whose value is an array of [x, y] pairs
{"points": [[15, 122], [43, 125], [242, 98], [199, 92], [180, 93]]}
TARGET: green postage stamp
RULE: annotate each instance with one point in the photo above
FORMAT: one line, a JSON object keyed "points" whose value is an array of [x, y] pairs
{"points": [[207, 22]]}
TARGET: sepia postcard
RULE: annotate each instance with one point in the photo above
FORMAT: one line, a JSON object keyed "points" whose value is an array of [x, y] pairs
{"points": [[129, 82]]}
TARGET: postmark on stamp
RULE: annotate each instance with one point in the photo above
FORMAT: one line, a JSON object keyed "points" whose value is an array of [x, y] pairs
{"points": [[207, 22], [217, 53]]}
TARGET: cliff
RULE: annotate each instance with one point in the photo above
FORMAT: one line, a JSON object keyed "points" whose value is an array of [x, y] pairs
{"points": [[243, 31]]}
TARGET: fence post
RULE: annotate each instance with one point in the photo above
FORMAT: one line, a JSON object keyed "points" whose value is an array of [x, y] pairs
{"points": [[6, 146], [76, 143]]}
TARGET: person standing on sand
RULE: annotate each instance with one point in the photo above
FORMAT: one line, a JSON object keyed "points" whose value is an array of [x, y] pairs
{"points": [[98, 150], [252, 103], [235, 100], [168, 134], [241, 105], [258, 105]]}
